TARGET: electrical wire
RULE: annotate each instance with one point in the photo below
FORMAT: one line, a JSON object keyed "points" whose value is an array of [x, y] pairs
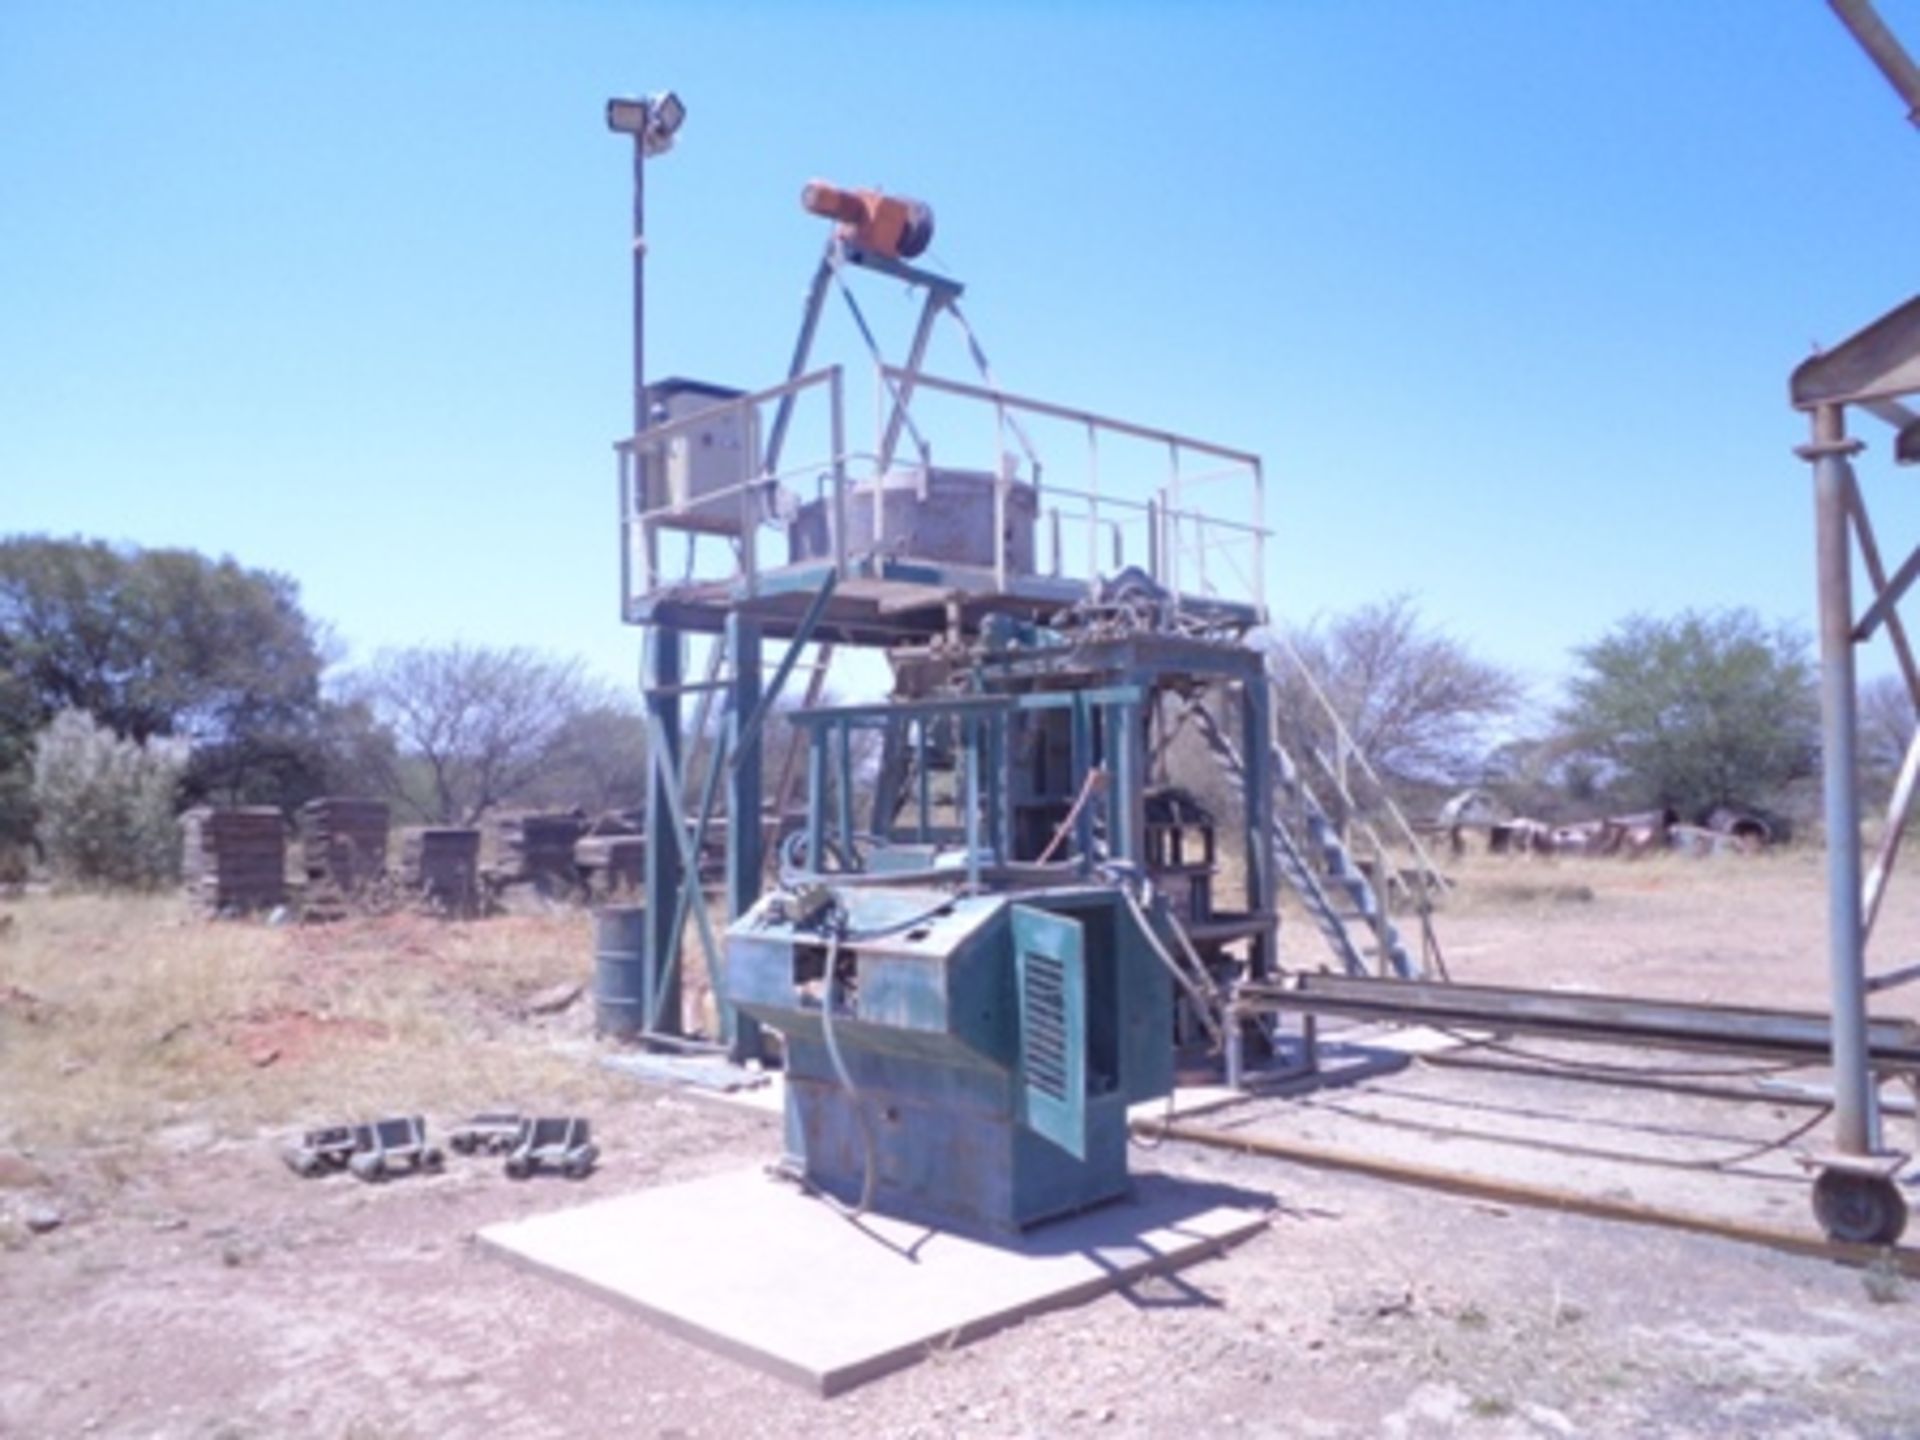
{"points": [[834, 927], [870, 1143], [1563, 1147], [1096, 781], [1601, 1067], [1203, 1003], [862, 937]]}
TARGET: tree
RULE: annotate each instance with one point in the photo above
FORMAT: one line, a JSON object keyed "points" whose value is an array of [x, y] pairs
{"points": [[16, 771], [106, 803], [1417, 703], [599, 760], [167, 643], [475, 727], [1886, 725], [1704, 709]]}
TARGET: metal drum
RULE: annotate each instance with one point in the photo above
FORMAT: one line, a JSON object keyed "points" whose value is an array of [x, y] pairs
{"points": [[937, 515], [621, 992]]}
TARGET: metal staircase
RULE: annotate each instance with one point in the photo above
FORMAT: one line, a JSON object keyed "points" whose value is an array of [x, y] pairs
{"points": [[1323, 854]]}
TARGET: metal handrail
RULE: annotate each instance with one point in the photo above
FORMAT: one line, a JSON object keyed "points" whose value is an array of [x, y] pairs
{"points": [[1174, 532], [1352, 746], [1066, 412], [826, 374]]}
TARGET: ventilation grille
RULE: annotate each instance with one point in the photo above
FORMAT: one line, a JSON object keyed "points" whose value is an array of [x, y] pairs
{"points": [[1046, 1024]]}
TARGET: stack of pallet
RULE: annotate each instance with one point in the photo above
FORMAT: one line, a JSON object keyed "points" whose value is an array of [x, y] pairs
{"points": [[537, 850], [441, 867], [611, 865], [343, 845], [234, 861]]}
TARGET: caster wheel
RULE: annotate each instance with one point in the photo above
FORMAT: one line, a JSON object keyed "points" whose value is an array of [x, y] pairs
{"points": [[1859, 1209], [433, 1162], [463, 1144], [518, 1169]]}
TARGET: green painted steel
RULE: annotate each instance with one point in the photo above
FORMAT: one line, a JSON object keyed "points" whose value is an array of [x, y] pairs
{"points": [[993, 1046], [745, 835], [1049, 953], [664, 870]]}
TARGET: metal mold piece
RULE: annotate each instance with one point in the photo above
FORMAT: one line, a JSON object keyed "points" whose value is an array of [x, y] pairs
{"points": [[553, 1142]]}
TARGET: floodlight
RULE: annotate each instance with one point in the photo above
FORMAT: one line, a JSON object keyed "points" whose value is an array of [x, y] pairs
{"points": [[668, 114], [652, 121], [628, 117]]}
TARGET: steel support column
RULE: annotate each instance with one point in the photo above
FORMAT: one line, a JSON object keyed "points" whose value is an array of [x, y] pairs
{"points": [[665, 873], [745, 838], [1127, 800], [1856, 1117], [1256, 744]]}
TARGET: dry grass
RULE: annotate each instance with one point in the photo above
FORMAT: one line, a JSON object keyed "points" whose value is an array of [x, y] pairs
{"points": [[120, 1014], [123, 1014], [1486, 881]]}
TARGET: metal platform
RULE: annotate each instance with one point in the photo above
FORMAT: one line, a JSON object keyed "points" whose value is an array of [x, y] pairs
{"points": [[879, 601]]}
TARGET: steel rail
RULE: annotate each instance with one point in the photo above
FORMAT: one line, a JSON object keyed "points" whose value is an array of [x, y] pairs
{"points": [[1548, 1197], [1893, 1045]]}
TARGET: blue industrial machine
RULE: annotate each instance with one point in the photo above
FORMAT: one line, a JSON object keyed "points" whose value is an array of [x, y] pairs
{"points": [[966, 1059], [997, 921]]}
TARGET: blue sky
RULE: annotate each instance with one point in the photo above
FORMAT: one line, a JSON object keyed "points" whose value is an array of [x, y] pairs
{"points": [[1506, 293]]}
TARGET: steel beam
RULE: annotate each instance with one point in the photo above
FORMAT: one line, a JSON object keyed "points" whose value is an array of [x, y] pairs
{"points": [[1881, 362], [802, 348], [1256, 720], [1856, 1121], [1127, 800], [660, 681], [745, 838], [903, 393], [1892, 1045], [750, 731], [1883, 49], [1889, 596]]}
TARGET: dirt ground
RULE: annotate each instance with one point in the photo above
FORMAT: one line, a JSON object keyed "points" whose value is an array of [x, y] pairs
{"points": [[151, 1065]]}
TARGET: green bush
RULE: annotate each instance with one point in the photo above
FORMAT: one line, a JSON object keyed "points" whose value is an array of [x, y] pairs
{"points": [[106, 805]]}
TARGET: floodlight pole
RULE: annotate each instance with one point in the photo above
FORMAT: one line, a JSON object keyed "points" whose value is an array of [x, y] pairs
{"points": [[640, 407], [660, 653]]}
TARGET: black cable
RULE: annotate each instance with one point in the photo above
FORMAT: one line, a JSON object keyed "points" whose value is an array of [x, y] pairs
{"points": [[1601, 1067]]}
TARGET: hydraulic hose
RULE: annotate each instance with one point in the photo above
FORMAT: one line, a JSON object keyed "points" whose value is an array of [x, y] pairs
{"points": [[869, 1141]]}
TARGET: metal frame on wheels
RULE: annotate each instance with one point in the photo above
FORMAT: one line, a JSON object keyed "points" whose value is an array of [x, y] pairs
{"points": [[1875, 372]]}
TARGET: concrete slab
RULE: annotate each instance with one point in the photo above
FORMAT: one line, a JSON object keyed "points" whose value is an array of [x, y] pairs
{"points": [[754, 1269], [708, 1073]]}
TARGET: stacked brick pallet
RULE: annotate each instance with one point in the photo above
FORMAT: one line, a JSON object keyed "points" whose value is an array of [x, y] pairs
{"points": [[234, 861], [611, 865], [537, 850], [343, 844], [441, 868]]}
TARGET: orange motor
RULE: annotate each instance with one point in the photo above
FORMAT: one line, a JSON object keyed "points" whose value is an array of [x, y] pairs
{"points": [[888, 225]]}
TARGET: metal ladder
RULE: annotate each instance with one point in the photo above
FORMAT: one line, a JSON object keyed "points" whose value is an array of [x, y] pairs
{"points": [[1297, 869]]}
